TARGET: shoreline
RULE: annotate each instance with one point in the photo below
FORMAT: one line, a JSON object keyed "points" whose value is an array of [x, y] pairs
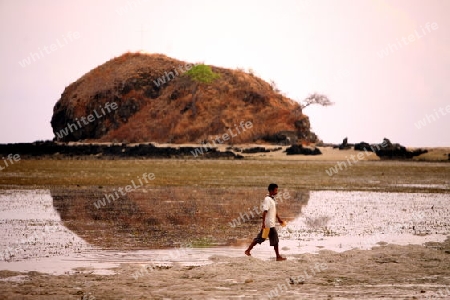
{"points": [[112, 151], [408, 273]]}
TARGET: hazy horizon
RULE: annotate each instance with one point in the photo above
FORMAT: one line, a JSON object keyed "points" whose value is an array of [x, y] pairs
{"points": [[384, 63]]}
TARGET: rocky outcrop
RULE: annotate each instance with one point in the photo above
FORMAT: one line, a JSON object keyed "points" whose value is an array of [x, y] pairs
{"points": [[344, 145], [299, 149], [388, 150], [111, 151], [139, 98], [255, 150], [363, 146]]}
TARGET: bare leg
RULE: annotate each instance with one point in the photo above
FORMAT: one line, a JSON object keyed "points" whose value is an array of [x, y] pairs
{"points": [[279, 257], [247, 252]]}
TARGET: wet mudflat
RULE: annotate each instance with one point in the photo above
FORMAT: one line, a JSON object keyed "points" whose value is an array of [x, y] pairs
{"points": [[56, 245], [324, 245]]}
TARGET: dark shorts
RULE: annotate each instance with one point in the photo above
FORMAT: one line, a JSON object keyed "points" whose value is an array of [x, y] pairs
{"points": [[273, 237]]}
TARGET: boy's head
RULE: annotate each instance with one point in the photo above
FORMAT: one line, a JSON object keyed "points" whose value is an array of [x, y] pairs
{"points": [[273, 189]]}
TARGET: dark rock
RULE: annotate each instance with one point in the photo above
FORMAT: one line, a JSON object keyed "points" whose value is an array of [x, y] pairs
{"points": [[255, 150], [299, 149], [363, 147], [388, 150], [111, 151], [285, 137], [345, 145], [127, 109], [399, 153]]}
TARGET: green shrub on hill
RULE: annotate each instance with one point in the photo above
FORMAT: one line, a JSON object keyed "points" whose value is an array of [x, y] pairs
{"points": [[202, 73]]}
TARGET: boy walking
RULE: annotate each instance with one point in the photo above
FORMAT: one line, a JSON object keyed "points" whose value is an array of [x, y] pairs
{"points": [[268, 221]]}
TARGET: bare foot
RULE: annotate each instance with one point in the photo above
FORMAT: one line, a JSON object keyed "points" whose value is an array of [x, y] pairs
{"points": [[280, 258], [247, 252]]}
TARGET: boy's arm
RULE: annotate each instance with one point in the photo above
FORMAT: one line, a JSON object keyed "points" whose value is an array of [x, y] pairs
{"points": [[264, 219], [279, 220]]}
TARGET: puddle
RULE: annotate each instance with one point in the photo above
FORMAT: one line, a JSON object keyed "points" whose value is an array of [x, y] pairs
{"points": [[424, 186], [342, 220], [32, 237], [31, 228], [16, 279]]}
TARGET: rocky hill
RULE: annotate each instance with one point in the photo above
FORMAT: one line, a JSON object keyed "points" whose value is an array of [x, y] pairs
{"points": [[150, 98]]}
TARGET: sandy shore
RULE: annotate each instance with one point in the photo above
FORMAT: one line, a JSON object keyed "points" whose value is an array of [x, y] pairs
{"points": [[386, 272], [328, 153]]}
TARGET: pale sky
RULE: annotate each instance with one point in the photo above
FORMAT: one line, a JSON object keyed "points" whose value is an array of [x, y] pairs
{"points": [[334, 47]]}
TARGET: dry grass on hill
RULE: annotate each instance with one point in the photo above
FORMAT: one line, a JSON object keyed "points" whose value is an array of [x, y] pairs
{"points": [[234, 97], [177, 111]]}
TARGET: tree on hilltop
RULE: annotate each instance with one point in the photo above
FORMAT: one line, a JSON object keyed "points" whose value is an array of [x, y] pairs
{"points": [[200, 74], [316, 99]]}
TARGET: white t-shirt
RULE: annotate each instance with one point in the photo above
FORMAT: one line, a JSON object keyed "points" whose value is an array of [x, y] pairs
{"points": [[269, 205]]}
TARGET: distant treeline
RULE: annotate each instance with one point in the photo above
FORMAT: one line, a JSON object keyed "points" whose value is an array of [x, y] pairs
{"points": [[106, 151]]}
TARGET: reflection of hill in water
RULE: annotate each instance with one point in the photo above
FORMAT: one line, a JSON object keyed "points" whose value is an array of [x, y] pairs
{"points": [[164, 217]]}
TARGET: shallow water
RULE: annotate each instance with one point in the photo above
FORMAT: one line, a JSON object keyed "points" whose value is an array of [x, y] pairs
{"points": [[342, 220], [424, 186], [32, 237]]}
